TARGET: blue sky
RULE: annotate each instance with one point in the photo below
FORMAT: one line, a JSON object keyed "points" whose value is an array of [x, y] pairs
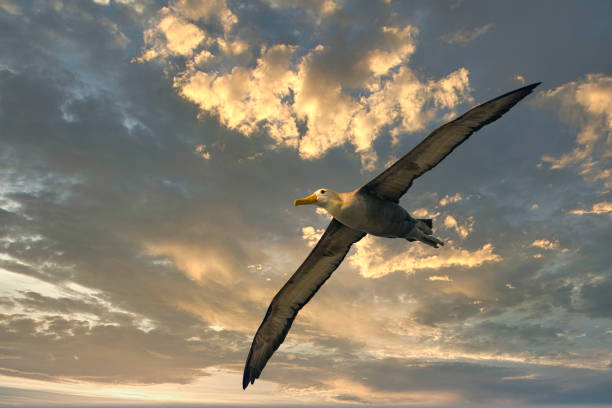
{"points": [[151, 152]]}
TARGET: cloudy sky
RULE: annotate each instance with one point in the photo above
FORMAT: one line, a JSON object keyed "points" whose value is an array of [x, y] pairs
{"points": [[150, 153]]}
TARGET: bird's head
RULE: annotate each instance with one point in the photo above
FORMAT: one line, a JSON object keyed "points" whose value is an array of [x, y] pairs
{"points": [[323, 197]]}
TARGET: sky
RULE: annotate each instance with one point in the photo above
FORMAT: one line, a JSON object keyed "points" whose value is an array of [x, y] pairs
{"points": [[151, 152]]}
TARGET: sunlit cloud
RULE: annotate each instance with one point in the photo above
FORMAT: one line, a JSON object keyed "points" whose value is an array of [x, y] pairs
{"points": [[463, 230], [318, 10], [350, 391], [374, 260], [520, 377], [450, 199], [10, 6], [464, 37], [311, 235], [442, 278], [197, 263], [288, 85], [43, 301], [597, 208], [587, 105], [244, 98], [545, 244], [215, 386], [172, 36], [323, 212], [202, 152], [424, 213]]}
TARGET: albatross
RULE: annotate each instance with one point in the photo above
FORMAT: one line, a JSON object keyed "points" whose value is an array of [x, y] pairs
{"points": [[371, 209]]}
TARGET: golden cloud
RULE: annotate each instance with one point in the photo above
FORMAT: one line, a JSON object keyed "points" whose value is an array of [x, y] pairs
{"points": [[586, 104], [243, 98], [545, 244], [172, 35], [278, 90], [597, 208], [448, 199], [443, 278], [463, 230], [373, 259], [312, 235]]}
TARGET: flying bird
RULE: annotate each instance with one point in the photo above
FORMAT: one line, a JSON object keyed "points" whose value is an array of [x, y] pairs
{"points": [[371, 209]]}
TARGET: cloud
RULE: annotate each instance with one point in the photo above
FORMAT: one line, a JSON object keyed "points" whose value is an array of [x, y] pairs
{"points": [[355, 391], [464, 37], [595, 295], [144, 244], [243, 99], [323, 212], [207, 11], [450, 199], [304, 96], [202, 152], [71, 348], [597, 208], [318, 10], [173, 35], [464, 230], [374, 260], [545, 244], [312, 235], [10, 6], [424, 213], [443, 278], [585, 104]]}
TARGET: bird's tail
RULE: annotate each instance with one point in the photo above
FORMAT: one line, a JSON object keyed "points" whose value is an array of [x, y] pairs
{"points": [[431, 240], [422, 232], [425, 225]]}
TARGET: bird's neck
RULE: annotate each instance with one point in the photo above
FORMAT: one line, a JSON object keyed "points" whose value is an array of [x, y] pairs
{"points": [[334, 205]]}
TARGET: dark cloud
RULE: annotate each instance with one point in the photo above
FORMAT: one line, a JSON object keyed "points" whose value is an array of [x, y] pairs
{"points": [[596, 298]]}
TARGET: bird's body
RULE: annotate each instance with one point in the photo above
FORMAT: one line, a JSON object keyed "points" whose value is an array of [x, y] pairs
{"points": [[371, 209], [368, 213]]}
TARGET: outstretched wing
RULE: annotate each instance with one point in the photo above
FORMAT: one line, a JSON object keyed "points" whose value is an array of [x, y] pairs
{"points": [[318, 266], [392, 183]]}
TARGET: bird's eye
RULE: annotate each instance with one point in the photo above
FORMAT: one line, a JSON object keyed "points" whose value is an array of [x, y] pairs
{"points": [[322, 191]]}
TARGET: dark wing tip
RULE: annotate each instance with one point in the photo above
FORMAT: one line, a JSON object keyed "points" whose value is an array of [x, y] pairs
{"points": [[246, 378], [523, 91], [527, 89], [250, 374], [531, 87]]}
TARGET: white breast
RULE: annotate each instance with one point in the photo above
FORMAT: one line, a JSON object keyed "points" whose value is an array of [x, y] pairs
{"points": [[372, 215]]}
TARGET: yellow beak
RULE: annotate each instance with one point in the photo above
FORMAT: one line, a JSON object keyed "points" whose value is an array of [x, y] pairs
{"points": [[311, 199]]}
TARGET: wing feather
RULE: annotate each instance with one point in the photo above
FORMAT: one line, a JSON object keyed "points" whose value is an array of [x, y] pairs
{"points": [[316, 269], [397, 179]]}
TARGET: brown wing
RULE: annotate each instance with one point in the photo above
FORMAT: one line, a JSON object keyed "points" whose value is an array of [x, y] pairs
{"points": [[318, 266], [392, 183]]}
